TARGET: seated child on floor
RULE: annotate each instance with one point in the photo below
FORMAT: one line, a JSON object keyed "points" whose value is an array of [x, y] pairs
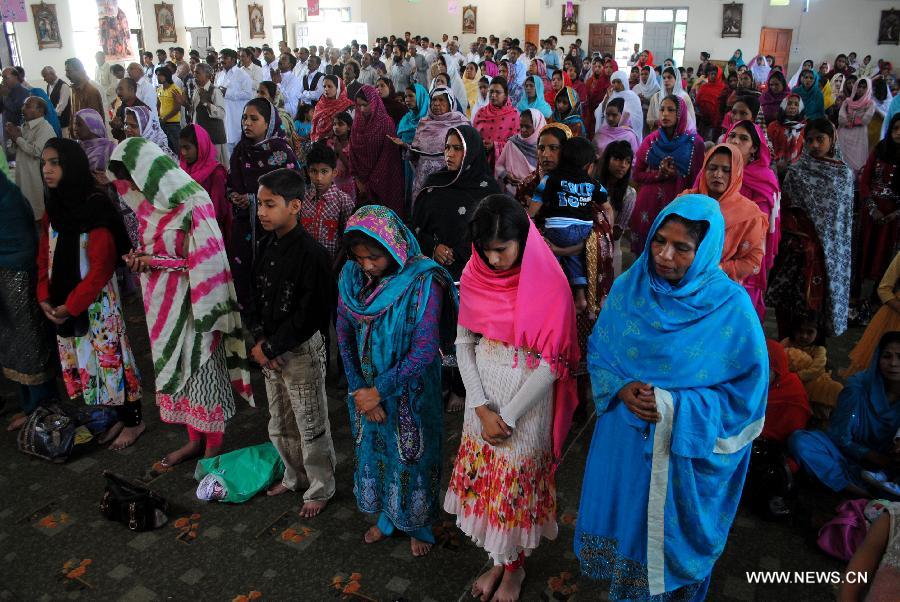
{"points": [[808, 359], [568, 200]]}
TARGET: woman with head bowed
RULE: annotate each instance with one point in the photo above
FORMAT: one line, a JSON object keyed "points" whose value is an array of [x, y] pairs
{"points": [[679, 370]]}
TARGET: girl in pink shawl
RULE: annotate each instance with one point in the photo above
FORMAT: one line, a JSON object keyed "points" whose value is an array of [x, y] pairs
{"points": [[374, 159], [854, 116], [519, 157], [760, 186], [91, 133], [197, 157], [516, 344], [616, 127], [498, 121]]}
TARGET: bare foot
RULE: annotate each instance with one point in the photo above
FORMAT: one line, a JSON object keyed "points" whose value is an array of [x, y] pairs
{"points": [[128, 436], [510, 587], [212, 451], [191, 449], [455, 403], [374, 535], [486, 583], [17, 422], [313, 508], [419, 548], [277, 489], [111, 433]]}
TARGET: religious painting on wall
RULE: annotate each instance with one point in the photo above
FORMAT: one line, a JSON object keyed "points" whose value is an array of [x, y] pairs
{"points": [[569, 20], [470, 19], [889, 27], [46, 27], [115, 35], [165, 23], [732, 20], [257, 21]]}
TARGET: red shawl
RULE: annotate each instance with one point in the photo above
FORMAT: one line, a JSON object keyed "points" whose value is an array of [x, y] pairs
{"points": [[529, 307], [550, 93], [707, 102], [787, 409], [326, 109], [497, 125], [374, 159]]}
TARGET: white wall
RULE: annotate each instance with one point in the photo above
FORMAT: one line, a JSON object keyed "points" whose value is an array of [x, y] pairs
{"points": [[831, 26]]}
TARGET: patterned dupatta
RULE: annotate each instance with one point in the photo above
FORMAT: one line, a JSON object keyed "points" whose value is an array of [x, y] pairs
{"points": [[386, 314], [190, 301]]}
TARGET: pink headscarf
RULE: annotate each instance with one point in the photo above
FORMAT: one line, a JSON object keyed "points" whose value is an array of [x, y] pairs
{"points": [[206, 162], [529, 307], [608, 134], [862, 103], [760, 182]]}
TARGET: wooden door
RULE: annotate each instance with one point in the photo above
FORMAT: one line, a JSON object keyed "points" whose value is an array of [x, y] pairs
{"points": [[776, 42], [533, 35], [602, 38]]}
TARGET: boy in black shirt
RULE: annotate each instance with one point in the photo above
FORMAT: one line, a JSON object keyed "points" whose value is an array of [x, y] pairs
{"points": [[293, 298], [567, 200]]}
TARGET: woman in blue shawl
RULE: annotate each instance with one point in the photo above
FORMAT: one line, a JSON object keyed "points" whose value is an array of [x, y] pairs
{"points": [[395, 309], [417, 102], [50, 115], [668, 458], [533, 98], [27, 348], [810, 93], [862, 428]]}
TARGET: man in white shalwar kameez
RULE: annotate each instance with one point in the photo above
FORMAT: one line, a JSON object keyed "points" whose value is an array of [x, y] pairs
{"points": [[237, 88]]}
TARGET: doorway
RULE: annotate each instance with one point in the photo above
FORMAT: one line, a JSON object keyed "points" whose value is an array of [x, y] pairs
{"points": [[533, 34], [776, 42], [658, 40], [602, 38]]}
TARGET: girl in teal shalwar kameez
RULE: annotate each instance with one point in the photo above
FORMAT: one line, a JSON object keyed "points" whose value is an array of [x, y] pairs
{"points": [[659, 497], [390, 328]]}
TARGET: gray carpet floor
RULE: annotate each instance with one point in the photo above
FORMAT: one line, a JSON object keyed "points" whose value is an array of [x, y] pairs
{"points": [[50, 526]]}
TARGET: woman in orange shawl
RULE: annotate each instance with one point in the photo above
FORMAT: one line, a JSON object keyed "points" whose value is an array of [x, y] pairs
{"points": [[745, 225]]}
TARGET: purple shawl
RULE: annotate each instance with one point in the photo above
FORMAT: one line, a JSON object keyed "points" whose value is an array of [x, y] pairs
{"points": [[606, 135], [100, 148]]}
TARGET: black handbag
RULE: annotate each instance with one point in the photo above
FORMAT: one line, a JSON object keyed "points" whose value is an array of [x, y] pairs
{"points": [[48, 434], [133, 505]]}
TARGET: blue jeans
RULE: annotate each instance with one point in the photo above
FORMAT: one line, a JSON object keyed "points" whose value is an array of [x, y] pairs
{"points": [[172, 130], [572, 265]]}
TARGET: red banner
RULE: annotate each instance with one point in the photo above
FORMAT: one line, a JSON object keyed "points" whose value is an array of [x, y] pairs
{"points": [[312, 8]]}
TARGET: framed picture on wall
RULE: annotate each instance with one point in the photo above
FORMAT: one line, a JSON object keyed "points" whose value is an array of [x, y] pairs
{"points": [[569, 25], [732, 20], [889, 27], [470, 19], [257, 21], [46, 27], [165, 22]]}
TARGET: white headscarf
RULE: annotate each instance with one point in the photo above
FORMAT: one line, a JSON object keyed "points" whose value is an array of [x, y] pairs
{"points": [[632, 106], [795, 78], [653, 109], [650, 88], [760, 72]]}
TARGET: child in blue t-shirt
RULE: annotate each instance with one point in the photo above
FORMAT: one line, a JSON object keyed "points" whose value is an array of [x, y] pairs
{"points": [[568, 199]]}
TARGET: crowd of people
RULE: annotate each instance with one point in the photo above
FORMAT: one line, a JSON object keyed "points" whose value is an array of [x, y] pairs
{"points": [[453, 224]]}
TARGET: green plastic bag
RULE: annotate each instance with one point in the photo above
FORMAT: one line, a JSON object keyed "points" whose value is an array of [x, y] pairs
{"points": [[239, 474]]}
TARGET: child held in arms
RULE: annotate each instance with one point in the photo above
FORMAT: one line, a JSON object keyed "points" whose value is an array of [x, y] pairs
{"points": [[566, 201]]}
